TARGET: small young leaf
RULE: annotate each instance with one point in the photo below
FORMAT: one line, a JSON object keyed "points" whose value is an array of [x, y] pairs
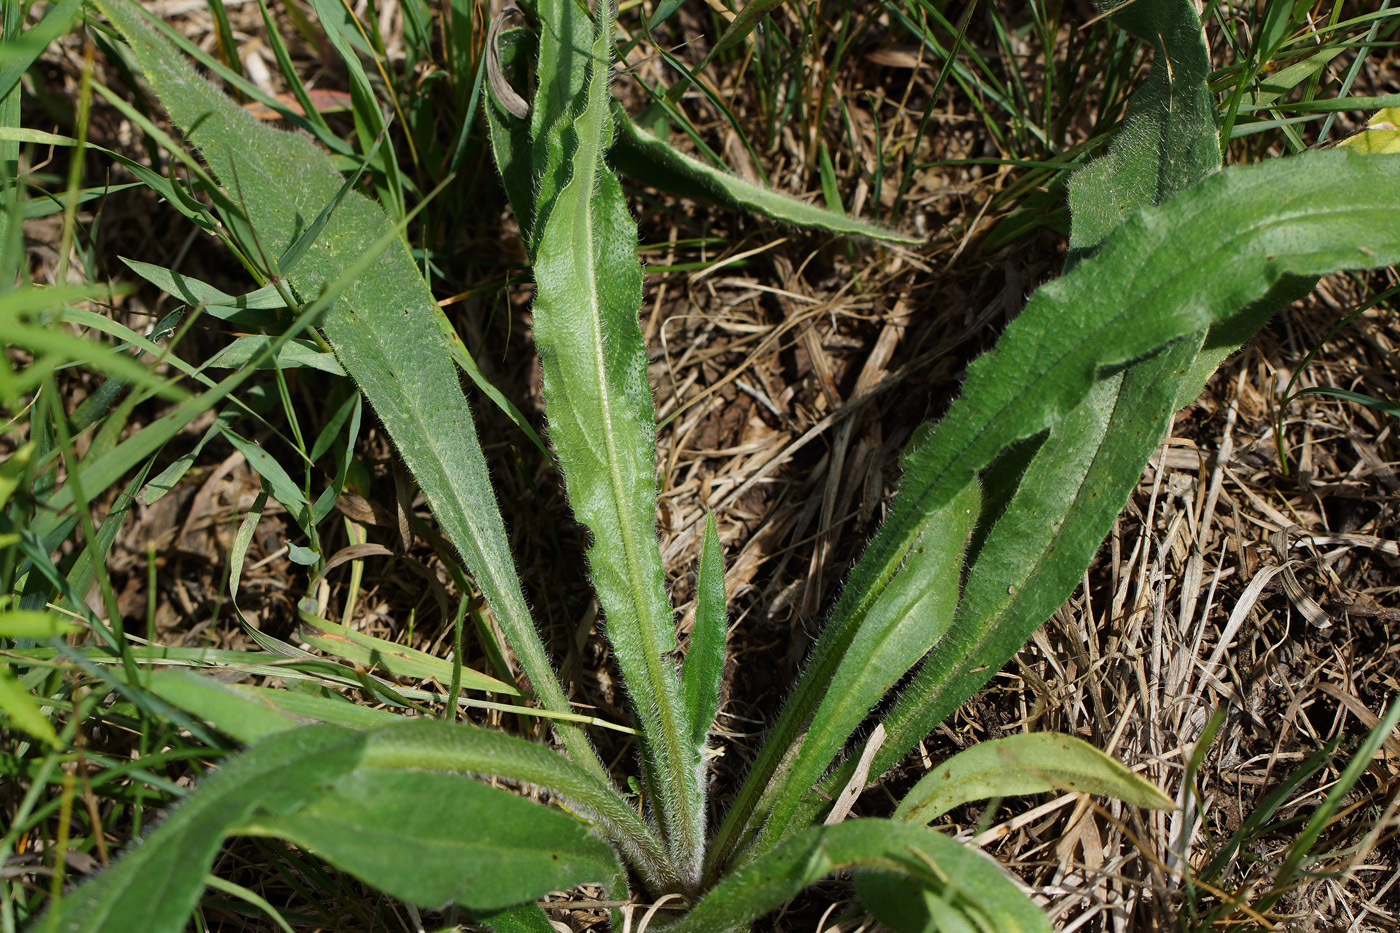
{"points": [[704, 659], [1029, 763]]}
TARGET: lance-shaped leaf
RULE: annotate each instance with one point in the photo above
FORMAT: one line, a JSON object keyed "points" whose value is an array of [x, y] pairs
{"points": [[704, 659], [654, 162], [1168, 140], [1228, 244], [1030, 763], [383, 329], [478, 846], [434, 745], [865, 656], [970, 886], [601, 423]]}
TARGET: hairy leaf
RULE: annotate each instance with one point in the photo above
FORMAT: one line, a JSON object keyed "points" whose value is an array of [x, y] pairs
{"points": [[868, 655], [435, 839], [972, 886], [1030, 763], [438, 746], [157, 883], [704, 659], [1168, 140], [601, 423], [383, 329]]}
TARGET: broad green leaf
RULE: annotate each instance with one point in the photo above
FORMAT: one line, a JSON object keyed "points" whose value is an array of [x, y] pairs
{"points": [[155, 885], [970, 884], [865, 655], [435, 839], [434, 745], [704, 658], [1228, 244], [20, 709], [1381, 135], [641, 156], [1168, 140], [398, 359], [1030, 763], [401, 660], [30, 623], [601, 423]]}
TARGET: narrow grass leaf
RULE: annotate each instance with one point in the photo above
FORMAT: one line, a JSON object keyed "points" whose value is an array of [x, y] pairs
{"points": [[398, 359], [602, 425], [641, 156], [1370, 401], [704, 658], [867, 654], [1030, 763], [400, 660], [435, 839], [1301, 849], [919, 858], [20, 51], [294, 354]]}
